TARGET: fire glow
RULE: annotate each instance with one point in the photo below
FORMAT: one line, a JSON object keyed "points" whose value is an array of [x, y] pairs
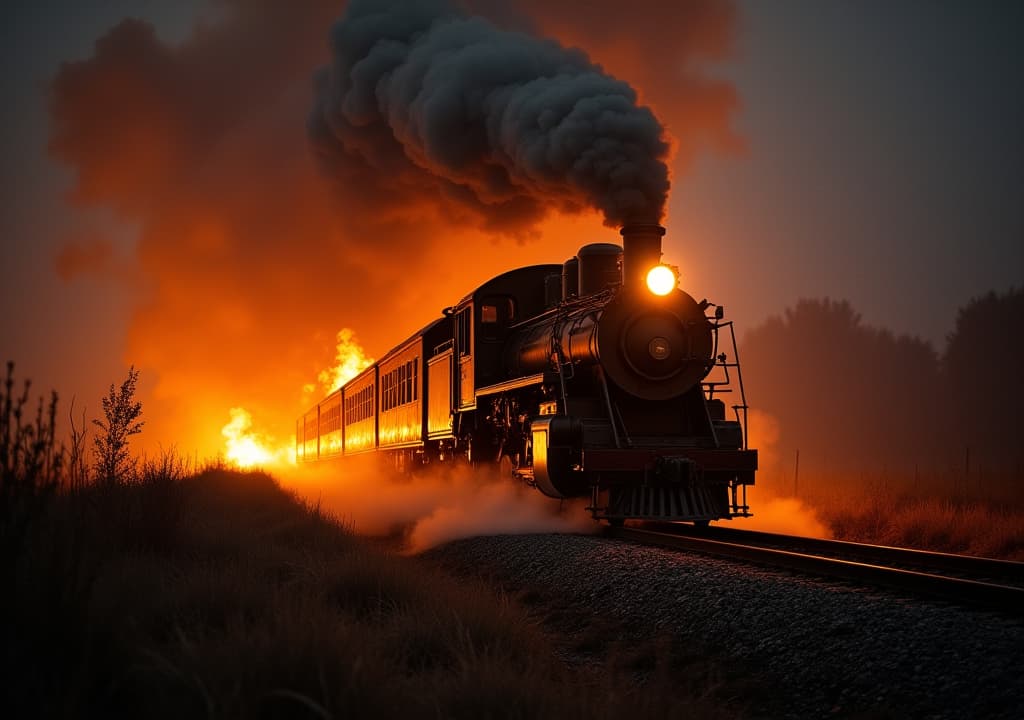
{"points": [[245, 447], [351, 360], [251, 245]]}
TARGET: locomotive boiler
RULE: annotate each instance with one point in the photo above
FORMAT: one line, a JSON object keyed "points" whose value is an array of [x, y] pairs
{"points": [[596, 378]]}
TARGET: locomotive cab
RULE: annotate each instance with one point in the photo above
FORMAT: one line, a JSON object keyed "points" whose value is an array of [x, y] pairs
{"points": [[470, 364]]}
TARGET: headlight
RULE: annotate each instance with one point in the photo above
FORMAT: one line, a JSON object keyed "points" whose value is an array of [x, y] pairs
{"points": [[661, 280]]}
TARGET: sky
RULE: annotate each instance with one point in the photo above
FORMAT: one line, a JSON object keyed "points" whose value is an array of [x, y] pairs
{"points": [[62, 335], [884, 161], [864, 151]]}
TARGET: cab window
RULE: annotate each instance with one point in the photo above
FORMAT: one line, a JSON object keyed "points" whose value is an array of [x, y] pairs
{"points": [[495, 314]]}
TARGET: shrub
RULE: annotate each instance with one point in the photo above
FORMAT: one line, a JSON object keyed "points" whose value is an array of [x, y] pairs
{"points": [[121, 413]]}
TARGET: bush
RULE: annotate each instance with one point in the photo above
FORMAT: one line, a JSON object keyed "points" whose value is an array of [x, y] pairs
{"points": [[121, 412]]}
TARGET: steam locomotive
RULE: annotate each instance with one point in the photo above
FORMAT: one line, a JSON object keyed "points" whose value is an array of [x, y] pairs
{"points": [[598, 377]]}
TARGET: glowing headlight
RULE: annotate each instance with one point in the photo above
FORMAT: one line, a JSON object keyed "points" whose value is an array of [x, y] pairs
{"points": [[661, 280]]}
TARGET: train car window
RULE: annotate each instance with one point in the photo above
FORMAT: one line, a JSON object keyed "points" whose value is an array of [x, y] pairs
{"points": [[359, 405], [405, 383], [488, 313]]}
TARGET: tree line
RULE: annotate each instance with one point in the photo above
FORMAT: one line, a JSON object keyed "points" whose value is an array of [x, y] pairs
{"points": [[853, 398]]}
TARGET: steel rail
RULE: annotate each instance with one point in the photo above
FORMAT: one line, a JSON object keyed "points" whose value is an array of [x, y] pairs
{"points": [[1003, 598], [978, 567]]}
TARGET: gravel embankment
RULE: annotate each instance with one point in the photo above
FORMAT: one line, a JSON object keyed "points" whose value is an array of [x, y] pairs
{"points": [[823, 649]]}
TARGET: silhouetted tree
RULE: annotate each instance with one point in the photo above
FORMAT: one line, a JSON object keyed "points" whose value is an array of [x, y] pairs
{"points": [[983, 377], [847, 394], [121, 412]]}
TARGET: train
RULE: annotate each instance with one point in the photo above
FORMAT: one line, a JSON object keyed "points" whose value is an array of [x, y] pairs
{"points": [[596, 378]]}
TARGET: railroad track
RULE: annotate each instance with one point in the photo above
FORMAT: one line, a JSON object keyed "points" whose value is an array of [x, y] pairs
{"points": [[977, 582]]}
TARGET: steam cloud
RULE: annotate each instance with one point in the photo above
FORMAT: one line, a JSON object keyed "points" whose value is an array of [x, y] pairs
{"points": [[439, 504], [504, 123]]}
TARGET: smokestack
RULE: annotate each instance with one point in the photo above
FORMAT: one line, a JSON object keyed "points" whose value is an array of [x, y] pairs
{"points": [[641, 250]]}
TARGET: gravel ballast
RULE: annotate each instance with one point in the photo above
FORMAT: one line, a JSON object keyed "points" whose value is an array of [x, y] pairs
{"points": [[824, 649]]}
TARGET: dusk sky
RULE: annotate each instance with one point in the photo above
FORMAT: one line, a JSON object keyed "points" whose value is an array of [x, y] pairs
{"points": [[876, 155]]}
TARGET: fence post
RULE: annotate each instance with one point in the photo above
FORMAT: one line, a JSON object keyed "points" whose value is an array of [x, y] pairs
{"points": [[796, 475]]}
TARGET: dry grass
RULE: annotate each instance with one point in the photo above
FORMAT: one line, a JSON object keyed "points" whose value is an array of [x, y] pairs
{"points": [[243, 602], [944, 519], [940, 510], [944, 525]]}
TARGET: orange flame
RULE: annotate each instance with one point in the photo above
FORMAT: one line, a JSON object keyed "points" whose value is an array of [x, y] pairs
{"points": [[351, 360], [246, 448]]}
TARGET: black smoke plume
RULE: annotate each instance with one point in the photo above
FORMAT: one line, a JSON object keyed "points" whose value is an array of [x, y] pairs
{"points": [[421, 95]]}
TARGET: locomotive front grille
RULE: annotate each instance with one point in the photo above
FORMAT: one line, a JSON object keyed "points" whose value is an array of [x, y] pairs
{"points": [[669, 503]]}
